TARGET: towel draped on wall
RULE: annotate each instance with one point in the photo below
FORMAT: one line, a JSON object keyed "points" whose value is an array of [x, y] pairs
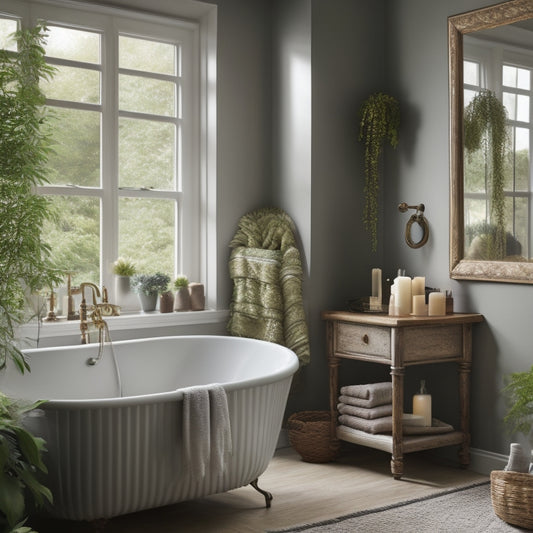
{"points": [[267, 274]]}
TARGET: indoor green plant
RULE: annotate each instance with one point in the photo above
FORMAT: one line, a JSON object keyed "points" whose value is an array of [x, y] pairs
{"points": [[485, 127], [124, 269], [25, 261], [380, 121], [519, 395], [148, 287], [182, 300], [20, 462]]}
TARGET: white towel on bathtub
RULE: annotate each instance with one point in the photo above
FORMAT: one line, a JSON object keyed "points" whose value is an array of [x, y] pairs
{"points": [[206, 429]]}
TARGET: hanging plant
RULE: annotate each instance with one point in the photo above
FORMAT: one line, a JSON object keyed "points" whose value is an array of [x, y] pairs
{"points": [[485, 127], [380, 121]]}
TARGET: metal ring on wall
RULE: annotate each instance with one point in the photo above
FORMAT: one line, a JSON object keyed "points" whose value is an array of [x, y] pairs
{"points": [[423, 223]]}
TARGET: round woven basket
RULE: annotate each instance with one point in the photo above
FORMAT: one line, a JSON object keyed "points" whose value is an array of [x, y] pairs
{"points": [[309, 435], [512, 497]]}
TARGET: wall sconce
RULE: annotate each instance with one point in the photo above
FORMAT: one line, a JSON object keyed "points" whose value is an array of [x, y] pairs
{"points": [[420, 219]]}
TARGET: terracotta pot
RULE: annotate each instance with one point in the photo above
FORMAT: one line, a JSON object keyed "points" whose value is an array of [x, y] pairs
{"points": [[166, 302]]}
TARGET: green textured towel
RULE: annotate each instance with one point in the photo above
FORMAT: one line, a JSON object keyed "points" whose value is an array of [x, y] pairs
{"points": [[266, 270]]}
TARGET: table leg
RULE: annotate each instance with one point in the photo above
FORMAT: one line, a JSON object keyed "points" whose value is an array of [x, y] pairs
{"points": [[464, 399], [397, 374]]}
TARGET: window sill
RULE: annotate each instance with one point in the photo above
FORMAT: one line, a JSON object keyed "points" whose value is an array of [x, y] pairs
{"points": [[131, 321]]}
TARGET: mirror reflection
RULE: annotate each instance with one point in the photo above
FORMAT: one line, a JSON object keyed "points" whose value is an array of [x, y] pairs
{"points": [[497, 82]]}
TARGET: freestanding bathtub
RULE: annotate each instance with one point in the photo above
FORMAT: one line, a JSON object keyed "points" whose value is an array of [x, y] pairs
{"points": [[111, 454]]}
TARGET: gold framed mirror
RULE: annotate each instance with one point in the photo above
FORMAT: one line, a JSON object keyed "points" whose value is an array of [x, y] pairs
{"points": [[473, 222]]}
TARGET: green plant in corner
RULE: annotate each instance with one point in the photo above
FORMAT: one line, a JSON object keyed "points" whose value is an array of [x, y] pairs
{"points": [[380, 121], [485, 127], [519, 394], [25, 264], [20, 461]]}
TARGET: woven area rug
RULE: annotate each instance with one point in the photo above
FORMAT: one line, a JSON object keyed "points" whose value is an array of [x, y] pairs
{"points": [[465, 509]]}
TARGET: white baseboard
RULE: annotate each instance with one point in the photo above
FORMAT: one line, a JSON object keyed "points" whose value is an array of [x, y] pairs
{"points": [[483, 462]]}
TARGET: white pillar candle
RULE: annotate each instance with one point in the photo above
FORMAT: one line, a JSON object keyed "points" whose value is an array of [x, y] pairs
{"points": [[437, 304], [419, 285], [422, 405], [419, 305], [403, 295], [376, 284]]}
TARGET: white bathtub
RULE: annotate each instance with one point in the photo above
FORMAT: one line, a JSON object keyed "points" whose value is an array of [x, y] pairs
{"points": [[110, 455]]}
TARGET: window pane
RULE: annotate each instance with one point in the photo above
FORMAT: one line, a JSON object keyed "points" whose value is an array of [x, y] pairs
{"points": [[509, 76], [471, 73], [522, 108], [469, 96], [75, 45], [146, 154], [523, 79], [7, 28], [521, 218], [475, 172], [76, 148], [146, 234], [75, 237], [522, 158], [147, 95], [147, 56], [509, 101], [74, 85]]}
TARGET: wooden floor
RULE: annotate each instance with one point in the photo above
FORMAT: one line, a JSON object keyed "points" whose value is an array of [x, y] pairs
{"points": [[303, 493]]}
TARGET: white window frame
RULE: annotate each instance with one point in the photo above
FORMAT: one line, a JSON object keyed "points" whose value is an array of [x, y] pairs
{"points": [[200, 23]]}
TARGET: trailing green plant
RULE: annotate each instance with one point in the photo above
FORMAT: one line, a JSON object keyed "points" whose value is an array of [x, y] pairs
{"points": [[20, 463], [123, 267], [25, 260], [380, 122], [181, 282], [150, 284], [519, 394], [485, 127]]}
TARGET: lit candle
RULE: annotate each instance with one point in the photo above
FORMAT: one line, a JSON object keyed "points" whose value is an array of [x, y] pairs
{"points": [[419, 285], [437, 304], [419, 305], [403, 295]]}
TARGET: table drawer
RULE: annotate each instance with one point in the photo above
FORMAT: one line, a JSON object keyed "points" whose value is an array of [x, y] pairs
{"points": [[373, 341]]}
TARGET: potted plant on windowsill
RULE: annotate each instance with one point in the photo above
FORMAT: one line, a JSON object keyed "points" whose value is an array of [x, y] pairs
{"points": [[182, 300], [512, 489], [124, 269], [148, 287]]}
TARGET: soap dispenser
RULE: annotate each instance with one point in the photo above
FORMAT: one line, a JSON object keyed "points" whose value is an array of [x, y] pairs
{"points": [[422, 404]]}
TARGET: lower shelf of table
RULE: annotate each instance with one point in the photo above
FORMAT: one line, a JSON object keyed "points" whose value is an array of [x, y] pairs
{"points": [[411, 443]]}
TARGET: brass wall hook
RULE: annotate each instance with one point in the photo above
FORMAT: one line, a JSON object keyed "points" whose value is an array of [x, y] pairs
{"points": [[419, 218]]}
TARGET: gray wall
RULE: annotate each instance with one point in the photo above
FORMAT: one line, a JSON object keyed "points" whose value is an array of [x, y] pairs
{"points": [[419, 172], [287, 136]]}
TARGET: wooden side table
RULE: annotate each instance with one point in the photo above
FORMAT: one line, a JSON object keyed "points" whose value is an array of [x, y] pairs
{"points": [[401, 342]]}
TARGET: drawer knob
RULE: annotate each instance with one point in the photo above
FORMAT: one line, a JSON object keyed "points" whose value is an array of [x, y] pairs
{"points": [[365, 338]]}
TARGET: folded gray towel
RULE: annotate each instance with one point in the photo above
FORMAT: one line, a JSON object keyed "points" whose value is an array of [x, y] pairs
{"points": [[369, 395], [384, 425], [365, 412]]}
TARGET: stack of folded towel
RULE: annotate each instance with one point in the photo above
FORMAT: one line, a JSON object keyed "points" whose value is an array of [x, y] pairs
{"points": [[369, 408], [366, 407]]}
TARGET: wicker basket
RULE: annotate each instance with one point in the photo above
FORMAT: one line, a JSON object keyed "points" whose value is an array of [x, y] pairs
{"points": [[309, 435], [512, 497]]}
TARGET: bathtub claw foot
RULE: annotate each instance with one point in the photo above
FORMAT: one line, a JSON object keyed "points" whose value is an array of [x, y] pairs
{"points": [[267, 495]]}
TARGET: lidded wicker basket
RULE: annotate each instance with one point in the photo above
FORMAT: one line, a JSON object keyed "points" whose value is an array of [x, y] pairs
{"points": [[512, 497], [309, 435]]}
